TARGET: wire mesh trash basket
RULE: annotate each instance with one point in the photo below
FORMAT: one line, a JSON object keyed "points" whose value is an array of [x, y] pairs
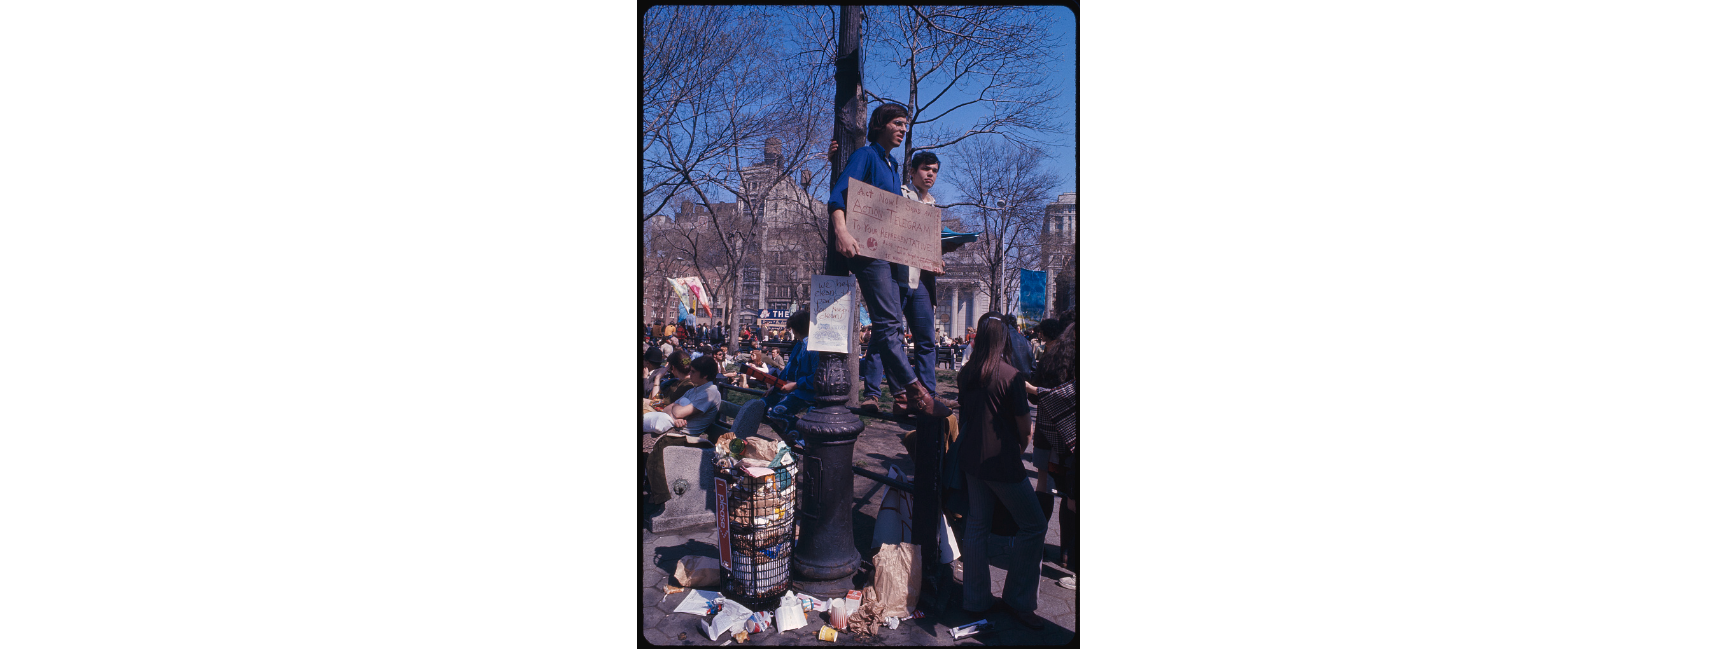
{"points": [[758, 518]]}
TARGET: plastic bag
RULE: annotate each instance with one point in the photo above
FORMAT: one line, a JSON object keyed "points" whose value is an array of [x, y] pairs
{"points": [[790, 615], [899, 572], [696, 571]]}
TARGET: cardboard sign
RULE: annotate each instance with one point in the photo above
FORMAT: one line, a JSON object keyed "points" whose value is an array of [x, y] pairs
{"points": [[721, 534], [831, 310], [892, 227]]}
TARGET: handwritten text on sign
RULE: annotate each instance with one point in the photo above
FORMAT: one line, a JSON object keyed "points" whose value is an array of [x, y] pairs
{"points": [[831, 310], [893, 227]]}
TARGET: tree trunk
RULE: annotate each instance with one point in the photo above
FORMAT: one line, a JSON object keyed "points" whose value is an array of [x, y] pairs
{"points": [[849, 116]]}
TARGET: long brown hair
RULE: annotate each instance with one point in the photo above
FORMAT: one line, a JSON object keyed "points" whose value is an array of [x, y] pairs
{"points": [[1059, 363], [988, 353]]}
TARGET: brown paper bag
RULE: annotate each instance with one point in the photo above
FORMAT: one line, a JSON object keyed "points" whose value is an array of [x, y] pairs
{"points": [[697, 572], [759, 448], [899, 573]]}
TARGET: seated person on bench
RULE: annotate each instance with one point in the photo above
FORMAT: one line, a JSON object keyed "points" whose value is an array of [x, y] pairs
{"points": [[694, 412], [796, 390], [682, 366]]}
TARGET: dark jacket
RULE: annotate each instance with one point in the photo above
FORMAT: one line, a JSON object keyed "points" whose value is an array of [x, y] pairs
{"points": [[1022, 358]]}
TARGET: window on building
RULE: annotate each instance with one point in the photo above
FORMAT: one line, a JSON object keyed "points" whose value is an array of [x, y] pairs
{"points": [[753, 274]]}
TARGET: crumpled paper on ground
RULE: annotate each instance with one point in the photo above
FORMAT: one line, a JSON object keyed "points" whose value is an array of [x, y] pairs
{"points": [[867, 621], [732, 616], [697, 602]]}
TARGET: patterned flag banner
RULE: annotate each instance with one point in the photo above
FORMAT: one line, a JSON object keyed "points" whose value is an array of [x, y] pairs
{"points": [[680, 290], [699, 296], [1032, 289]]}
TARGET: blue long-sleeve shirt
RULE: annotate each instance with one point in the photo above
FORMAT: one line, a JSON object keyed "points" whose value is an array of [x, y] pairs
{"points": [[801, 367], [872, 164]]}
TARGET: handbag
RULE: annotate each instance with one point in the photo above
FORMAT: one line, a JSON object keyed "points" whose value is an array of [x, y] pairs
{"points": [[1059, 408]]}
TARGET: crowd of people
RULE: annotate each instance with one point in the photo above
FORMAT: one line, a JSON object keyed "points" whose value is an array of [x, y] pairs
{"points": [[700, 334], [1016, 390]]}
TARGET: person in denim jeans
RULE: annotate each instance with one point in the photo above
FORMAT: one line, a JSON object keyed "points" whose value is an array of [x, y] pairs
{"points": [[796, 392], [874, 165]]}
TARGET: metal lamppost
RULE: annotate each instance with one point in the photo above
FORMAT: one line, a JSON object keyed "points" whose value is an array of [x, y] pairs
{"points": [[825, 558]]}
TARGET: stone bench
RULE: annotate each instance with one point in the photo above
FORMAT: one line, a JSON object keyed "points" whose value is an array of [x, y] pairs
{"points": [[689, 471]]}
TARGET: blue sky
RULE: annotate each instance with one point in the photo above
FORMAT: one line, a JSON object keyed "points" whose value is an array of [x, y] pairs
{"points": [[1066, 73], [1063, 148]]}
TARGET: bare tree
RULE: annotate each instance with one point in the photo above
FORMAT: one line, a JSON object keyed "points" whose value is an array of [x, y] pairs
{"points": [[689, 54], [1007, 188], [967, 72], [701, 132]]}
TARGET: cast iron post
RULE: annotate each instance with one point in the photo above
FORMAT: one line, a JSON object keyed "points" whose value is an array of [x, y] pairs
{"points": [[825, 557]]}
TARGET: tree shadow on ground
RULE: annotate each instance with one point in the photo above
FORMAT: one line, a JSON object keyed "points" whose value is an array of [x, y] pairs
{"points": [[667, 558]]}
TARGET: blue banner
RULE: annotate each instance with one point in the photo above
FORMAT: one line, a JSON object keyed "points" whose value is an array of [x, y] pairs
{"points": [[1032, 287], [683, 314]]}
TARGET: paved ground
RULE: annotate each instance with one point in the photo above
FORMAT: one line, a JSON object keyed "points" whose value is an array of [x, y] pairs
{"points": [[878, 447]]}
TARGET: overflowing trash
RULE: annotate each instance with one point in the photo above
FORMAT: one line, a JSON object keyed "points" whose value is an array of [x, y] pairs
{"points": [[757, 514]]}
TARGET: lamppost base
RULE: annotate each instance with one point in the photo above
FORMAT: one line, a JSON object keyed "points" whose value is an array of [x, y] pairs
{"points": [[824, 589]]}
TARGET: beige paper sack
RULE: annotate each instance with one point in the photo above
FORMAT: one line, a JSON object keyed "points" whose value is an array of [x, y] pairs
{"points": [[696, 572], [899, 572]]}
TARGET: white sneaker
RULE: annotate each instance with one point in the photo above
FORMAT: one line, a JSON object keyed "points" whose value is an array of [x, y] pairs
{"points": [[1069, 583]]}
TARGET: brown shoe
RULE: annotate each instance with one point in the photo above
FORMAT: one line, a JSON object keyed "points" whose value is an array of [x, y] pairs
{"points": [[919, 399], [869, 404]]}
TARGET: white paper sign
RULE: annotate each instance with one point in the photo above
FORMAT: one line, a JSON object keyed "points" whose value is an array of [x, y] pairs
{"points": [[831, 312]]}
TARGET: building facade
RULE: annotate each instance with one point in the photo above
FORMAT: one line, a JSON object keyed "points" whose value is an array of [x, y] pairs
{"points": [[1058, 244]]}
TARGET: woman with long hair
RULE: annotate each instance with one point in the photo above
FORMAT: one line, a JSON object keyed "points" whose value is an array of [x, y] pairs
{"points": [[994, 429]]}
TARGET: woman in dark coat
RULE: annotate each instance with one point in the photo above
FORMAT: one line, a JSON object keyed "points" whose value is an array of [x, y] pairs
{"points": [[994, 428]]}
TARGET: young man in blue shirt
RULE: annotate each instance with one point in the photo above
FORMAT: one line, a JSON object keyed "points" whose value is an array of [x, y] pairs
{"points": [[917, 294], [875, 165], [797, 389]]}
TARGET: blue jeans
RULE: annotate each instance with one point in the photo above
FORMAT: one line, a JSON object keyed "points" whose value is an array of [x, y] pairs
{"points": [[919, 307], [887, 326], [1025, 563], [870, 367], [786, 407]]}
